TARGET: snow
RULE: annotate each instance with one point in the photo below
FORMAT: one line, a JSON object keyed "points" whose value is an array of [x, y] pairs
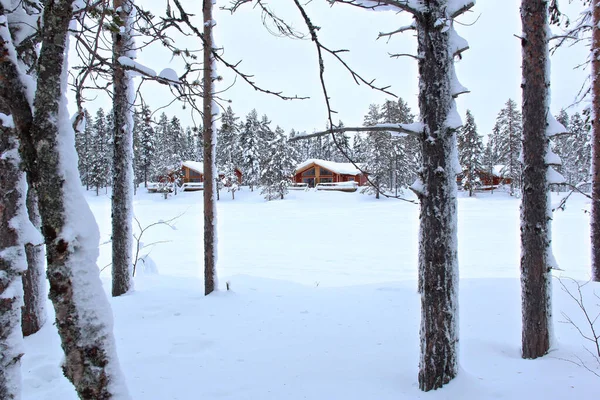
{"points": [[453, 120], [554, 127], [554, 176], [552, 158], [415, 127], [170, 75], [324, 305], [136, 66], [197, 166], [7, 121], [338, 168]]}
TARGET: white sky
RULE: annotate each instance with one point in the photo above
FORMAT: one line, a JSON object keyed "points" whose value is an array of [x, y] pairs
{"points": [[490, 68]]}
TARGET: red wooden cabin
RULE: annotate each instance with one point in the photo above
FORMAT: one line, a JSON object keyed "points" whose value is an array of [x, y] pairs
{"points": [[193, 172], [315, 171]]}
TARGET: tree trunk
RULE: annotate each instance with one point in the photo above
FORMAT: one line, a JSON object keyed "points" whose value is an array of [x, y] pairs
{"points": [[535, 218], [34, 281], [122, 195], [595, 217], [210, 176], [12, 264], [438, 263], [83, 316]]}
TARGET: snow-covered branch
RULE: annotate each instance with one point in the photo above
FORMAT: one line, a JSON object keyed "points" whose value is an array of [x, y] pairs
{"points": [[415, 129]]}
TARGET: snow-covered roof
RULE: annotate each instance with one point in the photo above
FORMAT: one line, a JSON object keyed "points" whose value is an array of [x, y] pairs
{"points": [[499, 170], [336, 167], [197, 166]]}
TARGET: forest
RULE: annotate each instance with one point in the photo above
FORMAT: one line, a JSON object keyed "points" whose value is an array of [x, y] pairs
{"points": [[109, 291]]}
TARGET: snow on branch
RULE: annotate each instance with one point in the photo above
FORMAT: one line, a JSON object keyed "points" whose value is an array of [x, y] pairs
{"points": [[456, 44], [553, 127], [414, 129], [412, 6], [411, 27], [458, 7]]}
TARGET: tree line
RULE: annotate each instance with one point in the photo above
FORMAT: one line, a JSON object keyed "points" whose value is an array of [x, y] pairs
{"points": [[502, 151]]}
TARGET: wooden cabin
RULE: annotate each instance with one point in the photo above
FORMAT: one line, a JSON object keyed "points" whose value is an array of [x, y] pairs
{"points": [[193, 172], [489, 180], [314, 171]]}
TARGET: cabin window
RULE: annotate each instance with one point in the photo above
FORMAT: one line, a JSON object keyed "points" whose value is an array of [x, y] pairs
{"points": [[194, 173], [196, 180], [326, 180], [309, 172], [326, 172]]}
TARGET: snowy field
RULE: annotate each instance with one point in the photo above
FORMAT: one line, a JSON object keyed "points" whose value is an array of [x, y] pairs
{"points": [[323, 304]]}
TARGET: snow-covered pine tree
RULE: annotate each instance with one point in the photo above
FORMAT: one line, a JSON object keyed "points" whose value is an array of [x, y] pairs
{"points": [[538, 126], [276, 174], [178, 150], [488, 159], [191, 145], [578, 150], [343, 141], [559, 145], [83, 138], [250, 144], [411, 146], [378, 152], [359, 148], [163, 156], [265, 133], [507, 139], [100, 153], [122, 132], [470, 149], [228, 147], [147, 145]]}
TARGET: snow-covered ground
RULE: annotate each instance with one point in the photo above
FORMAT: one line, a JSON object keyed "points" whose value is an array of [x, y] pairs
{"points": [[323, 303]]}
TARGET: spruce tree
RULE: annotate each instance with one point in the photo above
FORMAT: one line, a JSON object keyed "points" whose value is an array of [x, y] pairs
{"points": [[228, 145], [507, 140], [276, 174], [470, 149], [99, 156], [378, 153], [250, 144]]}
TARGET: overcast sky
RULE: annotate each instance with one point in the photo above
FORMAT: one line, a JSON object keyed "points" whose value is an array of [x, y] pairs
{"points": [[490, 69]]}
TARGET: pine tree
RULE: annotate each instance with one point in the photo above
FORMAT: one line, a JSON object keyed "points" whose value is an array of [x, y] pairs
{"points": [[100, 153], [359, 149], [250, 144], [578, 150], [507, 140], [146, 146], [378, 153], [560, 146], [83, 139], [470, 149], [343, 141], [228, 145], [275, 177]]}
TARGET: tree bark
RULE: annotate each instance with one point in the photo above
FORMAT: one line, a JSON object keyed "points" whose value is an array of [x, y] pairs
{"points": [[82, 312], [122, 195], [595, 217], [210, 229], [438, 262], [535, 218], [12, 264], [33, 313]]}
